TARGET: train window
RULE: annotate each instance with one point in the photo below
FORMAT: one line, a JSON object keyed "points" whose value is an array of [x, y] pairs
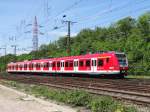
{"points": [[100, 62], [46, 65], [70, 63], [32, 65], [75, 64], [63, 64], [50, 64], [88, 63], [93, 62], [107, 60], [38, 65], [66, 64], [53, 64], [81, 63], [25, 65], [58, 64], [12, 67]]}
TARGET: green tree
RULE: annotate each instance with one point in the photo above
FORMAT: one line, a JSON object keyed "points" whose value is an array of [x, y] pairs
{"points": [[125, 26]]}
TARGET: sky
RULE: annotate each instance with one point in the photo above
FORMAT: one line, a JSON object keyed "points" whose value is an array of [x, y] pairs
{"points": [[16, 15]]}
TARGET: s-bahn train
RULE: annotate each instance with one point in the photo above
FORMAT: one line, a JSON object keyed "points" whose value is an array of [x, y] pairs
{"points": [[108, 63]]}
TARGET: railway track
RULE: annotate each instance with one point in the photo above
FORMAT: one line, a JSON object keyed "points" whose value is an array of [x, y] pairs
{"points": [[132, 96], [134, 90]]}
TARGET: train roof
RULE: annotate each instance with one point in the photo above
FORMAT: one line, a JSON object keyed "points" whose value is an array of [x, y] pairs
{"points": [[86, 56]]}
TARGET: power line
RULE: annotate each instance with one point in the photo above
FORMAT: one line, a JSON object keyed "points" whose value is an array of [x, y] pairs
{"points": [[29, 16], [68, 36], [15, 49], [47, 10], [5, 50], [136, 10], [88, 19], [35, 11], [35, 32], [99, 14], [69, 8], [66, 9]]}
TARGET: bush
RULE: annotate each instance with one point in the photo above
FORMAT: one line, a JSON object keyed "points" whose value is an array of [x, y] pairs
{"points": [[130, 109], [77, 98], [103, 104]]}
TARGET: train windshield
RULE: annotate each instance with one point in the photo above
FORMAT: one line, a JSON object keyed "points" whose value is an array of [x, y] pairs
{"points": [[122, 59]]}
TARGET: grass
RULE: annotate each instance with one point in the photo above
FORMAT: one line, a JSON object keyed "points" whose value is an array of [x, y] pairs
{"points": [[74, 98], [138, 76]]}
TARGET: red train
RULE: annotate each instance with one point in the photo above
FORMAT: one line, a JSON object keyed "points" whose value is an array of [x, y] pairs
{"points": [[105, 63]]}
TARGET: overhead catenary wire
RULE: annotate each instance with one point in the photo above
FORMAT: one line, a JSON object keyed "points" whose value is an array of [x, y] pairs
{"points": [[20, 33], [120, 16], [54, 18], [98, 15], [91, 26], [63, 11], [106, 11], [116, 8]]}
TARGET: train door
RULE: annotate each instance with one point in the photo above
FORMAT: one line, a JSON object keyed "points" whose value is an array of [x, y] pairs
{"points": [[27, 67], [54, 64], [62, 65], [94, 65], [42, 66], [50, 66], [34, 66], [76, 61], [58, 66]]}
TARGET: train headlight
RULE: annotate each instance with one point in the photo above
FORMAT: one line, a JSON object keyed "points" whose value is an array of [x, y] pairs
{"points": [[123, 71], [111, 67]]}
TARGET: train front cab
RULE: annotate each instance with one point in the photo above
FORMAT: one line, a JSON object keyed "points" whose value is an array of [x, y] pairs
{"points": [[123, 63]]}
